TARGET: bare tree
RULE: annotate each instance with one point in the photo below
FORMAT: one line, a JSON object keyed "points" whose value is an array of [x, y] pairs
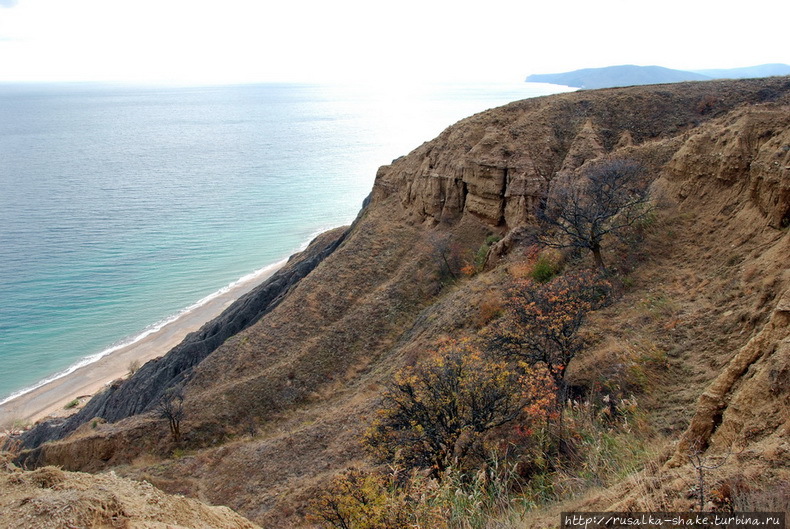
{"points": [[609, 197], [701, 464], [171, 407], [446, 255]]}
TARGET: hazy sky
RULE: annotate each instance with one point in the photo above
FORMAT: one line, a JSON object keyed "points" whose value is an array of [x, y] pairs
{"points": [[404, 40]]}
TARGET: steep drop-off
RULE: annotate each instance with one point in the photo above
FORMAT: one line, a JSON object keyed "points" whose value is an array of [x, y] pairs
{"points": [[279, 406], [143, 391]]}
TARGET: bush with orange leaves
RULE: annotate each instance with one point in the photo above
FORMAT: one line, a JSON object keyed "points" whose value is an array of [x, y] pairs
{"points": [[438, 413], [542, 321]]}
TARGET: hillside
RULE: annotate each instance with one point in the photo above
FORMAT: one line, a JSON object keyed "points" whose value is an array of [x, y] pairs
{"points": [[611, 76], [699, 331], [630, 75]]}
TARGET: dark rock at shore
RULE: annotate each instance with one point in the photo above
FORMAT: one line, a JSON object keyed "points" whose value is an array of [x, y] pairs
{"points": [[143, 390]]}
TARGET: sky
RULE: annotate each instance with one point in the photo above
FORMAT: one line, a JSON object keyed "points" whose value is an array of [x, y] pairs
{"points": [[368, 41]]}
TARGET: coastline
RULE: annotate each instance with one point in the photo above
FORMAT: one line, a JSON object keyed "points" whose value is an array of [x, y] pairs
{"points": [[50, 399]]}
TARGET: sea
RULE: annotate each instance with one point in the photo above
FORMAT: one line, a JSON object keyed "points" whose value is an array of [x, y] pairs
{"points": [[123, 206]]}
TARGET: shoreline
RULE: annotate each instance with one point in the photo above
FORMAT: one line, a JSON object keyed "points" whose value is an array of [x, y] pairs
{"points": [[50, 399]]}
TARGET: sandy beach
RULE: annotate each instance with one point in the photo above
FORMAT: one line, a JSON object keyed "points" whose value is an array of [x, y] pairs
{"points": [[50, 400]]}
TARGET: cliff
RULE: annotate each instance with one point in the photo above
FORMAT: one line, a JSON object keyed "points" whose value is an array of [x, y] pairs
{"points": [[279, 390]]}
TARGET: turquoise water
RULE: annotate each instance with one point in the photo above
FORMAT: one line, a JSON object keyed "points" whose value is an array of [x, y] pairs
{"points": [[121, 206]]}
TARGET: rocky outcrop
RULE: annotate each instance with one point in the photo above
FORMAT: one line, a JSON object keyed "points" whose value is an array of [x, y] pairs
{"points": [[749, 152], [49, 498], [760, 406], [738, 169], [497, 166]]}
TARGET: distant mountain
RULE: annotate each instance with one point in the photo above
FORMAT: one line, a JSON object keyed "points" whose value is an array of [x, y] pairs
{"points": [[763, 70], [630, 75], [625, 75]]}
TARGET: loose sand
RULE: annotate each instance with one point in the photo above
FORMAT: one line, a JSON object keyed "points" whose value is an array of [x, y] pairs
{"points": [[51, 399]]}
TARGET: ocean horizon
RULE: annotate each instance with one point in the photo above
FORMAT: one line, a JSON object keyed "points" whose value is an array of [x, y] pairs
{"points": [[123, 207]]}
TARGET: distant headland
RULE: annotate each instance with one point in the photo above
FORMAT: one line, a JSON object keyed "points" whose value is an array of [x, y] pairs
{"points": [[631, 75]]}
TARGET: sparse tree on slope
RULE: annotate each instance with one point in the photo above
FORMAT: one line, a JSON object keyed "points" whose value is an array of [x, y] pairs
{"points": [[542, 321], [610, 197], [171, 407]]}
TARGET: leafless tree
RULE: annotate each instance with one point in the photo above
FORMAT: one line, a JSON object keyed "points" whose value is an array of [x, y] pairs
{"points": [[610, 197], [446, 256], [171, 407], [701, 464]]}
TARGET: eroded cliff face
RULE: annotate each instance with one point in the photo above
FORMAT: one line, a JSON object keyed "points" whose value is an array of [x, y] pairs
{"points": [[748, 154], [736, 171], [279, 406], [499, 165]]}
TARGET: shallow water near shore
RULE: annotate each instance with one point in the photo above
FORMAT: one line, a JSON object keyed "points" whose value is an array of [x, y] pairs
{"points": [[124, 206]]}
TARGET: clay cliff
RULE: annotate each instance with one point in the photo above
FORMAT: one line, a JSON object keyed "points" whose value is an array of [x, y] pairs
{"points": [[278, 391]]}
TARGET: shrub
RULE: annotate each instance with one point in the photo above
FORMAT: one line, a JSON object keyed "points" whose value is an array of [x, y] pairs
{"points": [[542, 322], [368, 500], [479, 259], [543, 270], [436, 414], [446, 257], [171, 407], [132, 368], [489, 308], [356, 500]]}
